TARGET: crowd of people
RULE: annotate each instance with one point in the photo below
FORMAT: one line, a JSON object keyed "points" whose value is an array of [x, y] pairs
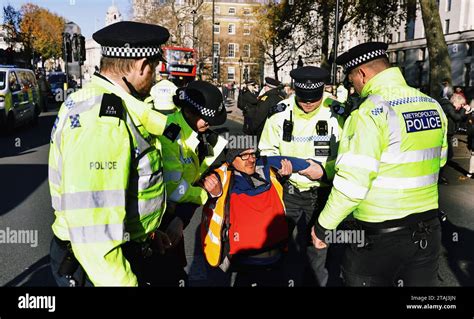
{"points": [[130, 164]]}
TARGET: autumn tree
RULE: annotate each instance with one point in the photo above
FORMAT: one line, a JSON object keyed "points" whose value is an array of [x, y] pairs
{"points": [[11, 23], [440, 63], [41, 31], [286, 27], [169, 15], [371, 17], [308, 25]]}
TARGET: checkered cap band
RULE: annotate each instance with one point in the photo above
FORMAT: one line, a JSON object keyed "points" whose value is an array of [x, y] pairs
{"points": [[308, 86], [130, 52], [365, 57], [203, 110]]}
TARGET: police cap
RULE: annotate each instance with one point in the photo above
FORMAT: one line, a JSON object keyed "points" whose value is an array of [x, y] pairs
{"points": [[203, 99], [361, 54], [134, 40], [309, 82], [271, 82]]}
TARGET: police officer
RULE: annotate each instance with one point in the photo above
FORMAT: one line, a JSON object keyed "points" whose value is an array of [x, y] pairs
{"points": [[189, 148], [257, 114], [247, 101], [390, 154], [305, 126], [162, 93], [105, 167]]}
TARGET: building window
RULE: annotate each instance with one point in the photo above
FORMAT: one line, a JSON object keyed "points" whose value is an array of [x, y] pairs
{"points": [[217, 48], [448, 5], [446, 26], [247, 50], [217, 9], [421, 55], [230, 73], [217, 28], [231, 28], [247, 11], [231, 50], [399, 37], [410, 30], [246, 29], [231, 10]]}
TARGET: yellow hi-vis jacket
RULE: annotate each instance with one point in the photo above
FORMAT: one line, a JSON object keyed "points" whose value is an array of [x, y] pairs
{"points": [[105, 177], [390, 154], [215, 219], [306, 142], [181, 162]]}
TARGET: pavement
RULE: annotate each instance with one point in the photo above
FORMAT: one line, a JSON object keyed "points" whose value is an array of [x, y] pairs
{"points": [[25, 205]]}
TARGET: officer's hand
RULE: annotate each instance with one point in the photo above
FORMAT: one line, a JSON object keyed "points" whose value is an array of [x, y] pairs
{"points": [[175, 231], [317, 243], [313, 172], [213, 185], [286, 168], [161, 241]]}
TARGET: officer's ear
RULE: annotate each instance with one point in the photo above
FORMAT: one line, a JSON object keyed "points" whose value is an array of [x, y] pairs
{"points": [[141, 65]]}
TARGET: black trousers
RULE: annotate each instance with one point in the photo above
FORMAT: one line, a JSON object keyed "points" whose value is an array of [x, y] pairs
{"points": [[394, 259], [305, 265], [154, 270]]}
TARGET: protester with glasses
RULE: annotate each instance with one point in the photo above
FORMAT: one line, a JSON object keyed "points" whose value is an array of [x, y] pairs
{"points": [[304, 126], [254, 232]]}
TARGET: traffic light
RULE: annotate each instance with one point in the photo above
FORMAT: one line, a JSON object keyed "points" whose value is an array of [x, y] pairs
{"points": [[215, 67], [67, 48], [82, 46], [246, 73], [68, 51], [75, 47]]}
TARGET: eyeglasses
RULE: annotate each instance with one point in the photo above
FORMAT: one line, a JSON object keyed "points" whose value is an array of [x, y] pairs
{"points": [[247, 156]]}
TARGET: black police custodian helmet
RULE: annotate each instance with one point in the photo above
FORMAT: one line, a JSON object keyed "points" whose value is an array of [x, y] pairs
{"points": [[309, 82], [204, 99], [134, 40], [361, 54]]}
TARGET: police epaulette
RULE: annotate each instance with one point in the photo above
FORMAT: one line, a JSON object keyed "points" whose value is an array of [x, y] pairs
{"points": [[280, 107], [172, 131], [111, 105]]}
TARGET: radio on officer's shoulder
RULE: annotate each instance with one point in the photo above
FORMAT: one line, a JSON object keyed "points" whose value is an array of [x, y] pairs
{"points": [[288, 129], [322, 128], [322, 145]]}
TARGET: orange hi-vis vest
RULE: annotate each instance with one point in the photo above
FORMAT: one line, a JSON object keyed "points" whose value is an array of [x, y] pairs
{"points": [[216, 227]]}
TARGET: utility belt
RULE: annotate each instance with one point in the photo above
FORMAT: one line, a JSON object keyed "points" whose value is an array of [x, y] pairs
{"points": [[420, 225]]}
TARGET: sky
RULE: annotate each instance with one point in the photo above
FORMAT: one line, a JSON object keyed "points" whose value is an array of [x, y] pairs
{"points": [[88, 14]]}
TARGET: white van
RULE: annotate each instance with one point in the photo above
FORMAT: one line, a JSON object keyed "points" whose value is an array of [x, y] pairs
{"points": [[19, 97]]}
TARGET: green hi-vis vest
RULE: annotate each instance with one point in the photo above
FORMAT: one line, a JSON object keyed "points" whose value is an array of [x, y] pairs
{"points": [[181, 163], [390, 154], [106, 177], [306, 141]]}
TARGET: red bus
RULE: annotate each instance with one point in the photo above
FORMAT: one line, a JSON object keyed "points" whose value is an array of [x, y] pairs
{"points": [[180, 61]]}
